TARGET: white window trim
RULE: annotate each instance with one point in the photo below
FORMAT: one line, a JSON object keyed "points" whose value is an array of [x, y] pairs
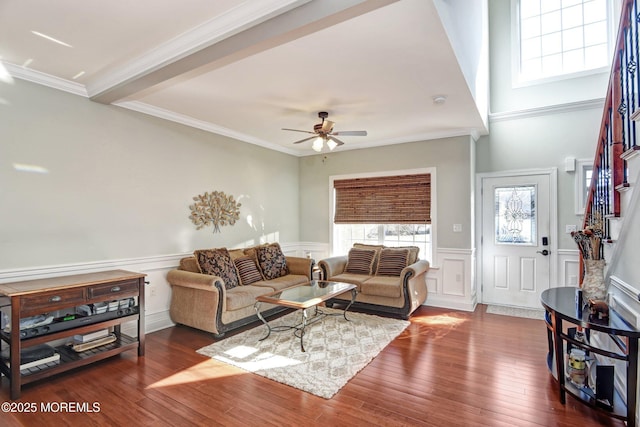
{"points": [[580, 183], [434, 199], [516, 78]]}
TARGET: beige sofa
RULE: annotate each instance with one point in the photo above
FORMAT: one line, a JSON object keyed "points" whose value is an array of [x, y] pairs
{"points": [[221, 296], [389, 280]]}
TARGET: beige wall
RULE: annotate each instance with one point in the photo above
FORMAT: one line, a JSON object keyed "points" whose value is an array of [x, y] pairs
{"points": [[119, 183], [451, 157]]}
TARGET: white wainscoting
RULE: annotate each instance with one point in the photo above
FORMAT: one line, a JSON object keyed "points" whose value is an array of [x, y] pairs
{"points": [[451, 281], [314, 250], [158, 290], [624, 299], [568, 268]]}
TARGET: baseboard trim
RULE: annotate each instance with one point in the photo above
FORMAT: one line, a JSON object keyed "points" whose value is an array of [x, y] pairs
{"points": [[439, 302], [152, 322]]}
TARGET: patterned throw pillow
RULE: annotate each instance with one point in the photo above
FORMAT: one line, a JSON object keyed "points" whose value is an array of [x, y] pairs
{"points": [[392, 262], [217, 262], [272, 261], [413, 253], [248, 270], [360, 261], [376, 248]]}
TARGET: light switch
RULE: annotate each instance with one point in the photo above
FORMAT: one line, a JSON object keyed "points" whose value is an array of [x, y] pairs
{"points": [[457, 228], [569, 228]]}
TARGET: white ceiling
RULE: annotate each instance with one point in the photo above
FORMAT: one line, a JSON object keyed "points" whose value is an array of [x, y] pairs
{"points": [[246, 69]]}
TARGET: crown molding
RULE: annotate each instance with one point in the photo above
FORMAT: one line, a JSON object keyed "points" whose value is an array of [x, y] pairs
{"points": [[161, 113], [44, 79], [568, 107], [239, 18]]}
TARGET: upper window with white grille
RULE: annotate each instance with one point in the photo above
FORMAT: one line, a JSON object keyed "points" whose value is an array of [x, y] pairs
{"points": [[562, 37]]}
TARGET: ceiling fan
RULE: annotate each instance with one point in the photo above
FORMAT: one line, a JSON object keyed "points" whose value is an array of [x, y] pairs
{"points": [[323, 132]]}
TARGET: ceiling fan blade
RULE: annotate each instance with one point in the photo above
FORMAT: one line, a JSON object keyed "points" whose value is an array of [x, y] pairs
{"points": [[306, 139], [351, 133], [298, 130], [337, 141], [327, 125]]}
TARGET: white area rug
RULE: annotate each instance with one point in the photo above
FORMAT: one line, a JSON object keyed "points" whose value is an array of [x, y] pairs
{"points": [[528, 313], [336, 350]]}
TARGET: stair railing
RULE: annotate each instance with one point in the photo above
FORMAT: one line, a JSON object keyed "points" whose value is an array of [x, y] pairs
{"points": [[618, 127]]}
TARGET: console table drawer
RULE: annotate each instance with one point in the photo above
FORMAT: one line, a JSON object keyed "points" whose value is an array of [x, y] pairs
{"points": [[114, 290], [52, 300]]}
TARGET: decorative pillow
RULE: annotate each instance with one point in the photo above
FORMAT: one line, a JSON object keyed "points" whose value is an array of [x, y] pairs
{"points": [[248, 270], [376, 248], [272, 261], [413, 253], [360, 261], [217, 262], [392, 261]]}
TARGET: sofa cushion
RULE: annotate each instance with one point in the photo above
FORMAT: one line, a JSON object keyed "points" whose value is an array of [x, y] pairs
{"points": [[217, 262], [382, 286], [356, 279], [244, 296], [282, 282], [247, 270], [236, 253], [272, 261], [392, 262], [360, 261], [189, 264]]}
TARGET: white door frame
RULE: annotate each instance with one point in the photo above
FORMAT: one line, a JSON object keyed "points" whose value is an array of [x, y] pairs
{"points": [[553, 220]]}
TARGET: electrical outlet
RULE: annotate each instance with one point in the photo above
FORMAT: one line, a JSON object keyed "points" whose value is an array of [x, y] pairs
{"points": [[457, 228], [570, 228]]}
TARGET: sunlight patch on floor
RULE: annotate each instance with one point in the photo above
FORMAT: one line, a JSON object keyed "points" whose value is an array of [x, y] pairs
{"points": [[207, 370]]}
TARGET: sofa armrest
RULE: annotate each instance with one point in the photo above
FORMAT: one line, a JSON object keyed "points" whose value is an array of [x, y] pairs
{"points": [[197, 300], [299, 265], [414, 286], [189, 279], [415, 269], [333, 266]]}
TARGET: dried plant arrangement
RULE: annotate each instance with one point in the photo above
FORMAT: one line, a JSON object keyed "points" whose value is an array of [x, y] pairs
{"points": [[589, 239], [215, 208]]}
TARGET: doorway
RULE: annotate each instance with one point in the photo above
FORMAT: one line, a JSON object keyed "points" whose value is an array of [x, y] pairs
{"points": [[517, 236]]}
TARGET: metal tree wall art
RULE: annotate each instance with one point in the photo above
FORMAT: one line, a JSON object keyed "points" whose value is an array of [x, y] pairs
{"points": [[215, 208]]}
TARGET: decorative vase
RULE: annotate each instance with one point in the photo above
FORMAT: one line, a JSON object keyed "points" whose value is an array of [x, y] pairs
{"points": [[593, 285]]}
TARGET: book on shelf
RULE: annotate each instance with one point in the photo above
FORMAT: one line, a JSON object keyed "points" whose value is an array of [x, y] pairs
{"points": [[53, 359], [91, 336], [80, 347]]}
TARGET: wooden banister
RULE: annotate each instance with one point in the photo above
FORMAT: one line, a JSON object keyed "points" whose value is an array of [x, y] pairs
{"points": [[618, 128]]}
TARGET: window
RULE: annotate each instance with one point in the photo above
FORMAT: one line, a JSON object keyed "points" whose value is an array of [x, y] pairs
{"points": [[584, 169], [515, 215], [560, 37], [389, 209], [392, 235]]}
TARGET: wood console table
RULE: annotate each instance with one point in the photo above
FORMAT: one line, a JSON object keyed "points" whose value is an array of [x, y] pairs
{"points": [[61, 295], [560, 304]]}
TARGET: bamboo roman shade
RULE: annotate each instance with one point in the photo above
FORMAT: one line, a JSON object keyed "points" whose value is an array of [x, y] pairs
{"points": [[404, 199]]}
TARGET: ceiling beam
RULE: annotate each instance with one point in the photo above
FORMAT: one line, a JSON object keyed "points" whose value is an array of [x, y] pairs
{"points": [[185, 58]]}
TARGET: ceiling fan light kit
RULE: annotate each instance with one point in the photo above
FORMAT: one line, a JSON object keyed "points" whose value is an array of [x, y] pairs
{"points": [[323, 132]]}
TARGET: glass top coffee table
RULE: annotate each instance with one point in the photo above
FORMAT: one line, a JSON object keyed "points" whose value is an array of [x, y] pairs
{"points": [[303, 297]]}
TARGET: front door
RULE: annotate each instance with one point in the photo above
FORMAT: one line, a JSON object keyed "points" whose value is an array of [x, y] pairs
{"points": [[516, 238]]}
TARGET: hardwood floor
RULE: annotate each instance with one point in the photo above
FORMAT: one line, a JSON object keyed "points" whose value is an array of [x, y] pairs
{"points": [[448, 368]]}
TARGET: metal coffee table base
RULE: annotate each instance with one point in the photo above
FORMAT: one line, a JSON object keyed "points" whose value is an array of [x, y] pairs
{"points": [[299, 329]]}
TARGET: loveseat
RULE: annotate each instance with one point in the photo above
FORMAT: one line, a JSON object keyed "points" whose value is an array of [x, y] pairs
{"points": [[388, 280], [215, 289]]}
